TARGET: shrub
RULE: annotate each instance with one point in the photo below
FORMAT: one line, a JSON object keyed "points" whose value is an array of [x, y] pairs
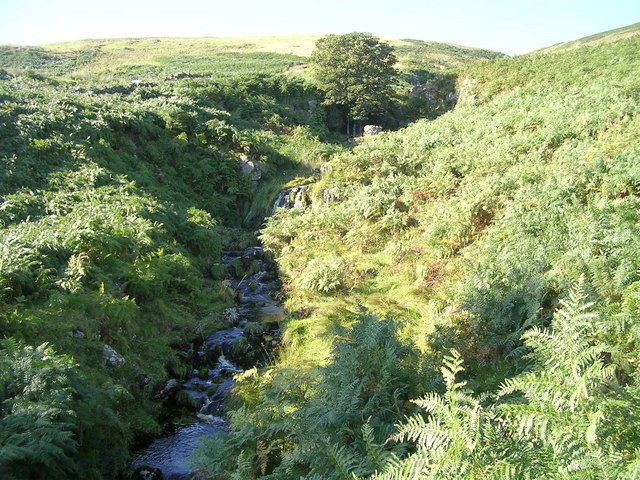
{"points": [[324, 275]]}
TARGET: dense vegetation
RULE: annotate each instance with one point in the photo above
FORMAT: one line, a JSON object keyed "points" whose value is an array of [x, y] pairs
{"points": [[120, 188], [464, 292], [116, 203]]}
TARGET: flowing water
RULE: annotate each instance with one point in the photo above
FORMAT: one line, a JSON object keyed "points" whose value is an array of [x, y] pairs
{"points": [[247, 343]]}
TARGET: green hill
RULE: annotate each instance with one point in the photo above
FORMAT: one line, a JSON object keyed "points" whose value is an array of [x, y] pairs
{"points": [[497, 247], [592, 40], [153, 57], [461, 294]]}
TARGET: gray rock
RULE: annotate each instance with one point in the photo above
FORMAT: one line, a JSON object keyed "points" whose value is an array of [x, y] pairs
{"points": [[148, 473], [171, 385], [330, 195], [372, 130], [110, 357], [313, 104], [250, 168], [467, 90], [76, 334]]}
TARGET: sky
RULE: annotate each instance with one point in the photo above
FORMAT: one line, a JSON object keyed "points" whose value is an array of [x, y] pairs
{"points": [[509, 26]]}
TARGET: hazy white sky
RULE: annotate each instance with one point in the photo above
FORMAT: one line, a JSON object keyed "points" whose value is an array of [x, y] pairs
{"points": [[510, 26]]}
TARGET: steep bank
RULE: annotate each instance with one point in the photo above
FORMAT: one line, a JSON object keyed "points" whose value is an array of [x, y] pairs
{"points": [[439, 252], [116, 206]]}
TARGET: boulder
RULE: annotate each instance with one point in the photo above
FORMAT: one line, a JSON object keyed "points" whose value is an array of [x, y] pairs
{"points": [[372, 130], [330, 195], [110, 357], [172, 386], [77, 333], [250, 168], [147, 473]]}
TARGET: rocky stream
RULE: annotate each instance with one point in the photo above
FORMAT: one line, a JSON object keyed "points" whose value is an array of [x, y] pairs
{"points": [[246, 343]]}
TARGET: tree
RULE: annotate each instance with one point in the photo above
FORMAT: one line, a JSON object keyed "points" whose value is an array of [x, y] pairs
{"points": [[355, 71]]}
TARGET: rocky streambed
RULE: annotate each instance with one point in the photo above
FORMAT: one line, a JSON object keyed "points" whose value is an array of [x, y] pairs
{"points": [[247, 342]]}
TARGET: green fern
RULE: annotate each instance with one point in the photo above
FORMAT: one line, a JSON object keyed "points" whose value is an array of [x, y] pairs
{"points": [[377, 454], [560, 404], [37, 423], [565, 417], [450, 438]]}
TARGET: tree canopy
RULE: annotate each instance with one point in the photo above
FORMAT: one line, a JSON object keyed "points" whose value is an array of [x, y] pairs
{"points": [[355, 71]]}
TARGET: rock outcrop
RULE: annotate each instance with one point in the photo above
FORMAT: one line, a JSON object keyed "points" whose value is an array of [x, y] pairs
{"points": [[251, 169], [467, 90], [330, 195]]}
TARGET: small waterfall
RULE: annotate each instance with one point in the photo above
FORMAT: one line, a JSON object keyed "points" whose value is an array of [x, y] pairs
{"points": [[294, 197]]}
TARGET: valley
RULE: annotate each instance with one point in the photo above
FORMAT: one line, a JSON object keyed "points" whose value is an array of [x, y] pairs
{"points": [[454, 297]]}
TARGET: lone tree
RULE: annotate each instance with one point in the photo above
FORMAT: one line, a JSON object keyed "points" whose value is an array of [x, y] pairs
{"points": [[355, 71]]}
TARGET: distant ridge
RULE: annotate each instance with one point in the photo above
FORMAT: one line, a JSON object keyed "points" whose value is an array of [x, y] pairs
{"points": [[596, 39], [214, 56]]}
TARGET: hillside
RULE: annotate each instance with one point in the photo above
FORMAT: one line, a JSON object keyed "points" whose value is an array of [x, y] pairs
{"points": [[593, 40], [154, 57], [483, 267], [116, 205], [460, 295]]}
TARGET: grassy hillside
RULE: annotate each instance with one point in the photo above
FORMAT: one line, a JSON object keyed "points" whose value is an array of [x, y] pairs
{"points": [[116, 203], [416, 55], [479, 274], [462, 294], [593, 40], [153, 57]]}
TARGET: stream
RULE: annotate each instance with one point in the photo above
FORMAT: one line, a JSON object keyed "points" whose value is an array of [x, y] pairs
{"points": [[248, 342]]}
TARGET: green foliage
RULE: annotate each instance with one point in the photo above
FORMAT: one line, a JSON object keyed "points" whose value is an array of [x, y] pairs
{"points": [[116, 203], [52, 422], [40, 59], [464, 233], [420, 56], [469, 231], [198, 234], [565, 397], [551, 421], [38, 424], [322, 275], [451, 439], [332, 420], [356, 71]]}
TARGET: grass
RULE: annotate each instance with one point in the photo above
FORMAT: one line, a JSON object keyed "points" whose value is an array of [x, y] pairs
{"points": [[231, 56], [467, 231], [593, 40]]}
